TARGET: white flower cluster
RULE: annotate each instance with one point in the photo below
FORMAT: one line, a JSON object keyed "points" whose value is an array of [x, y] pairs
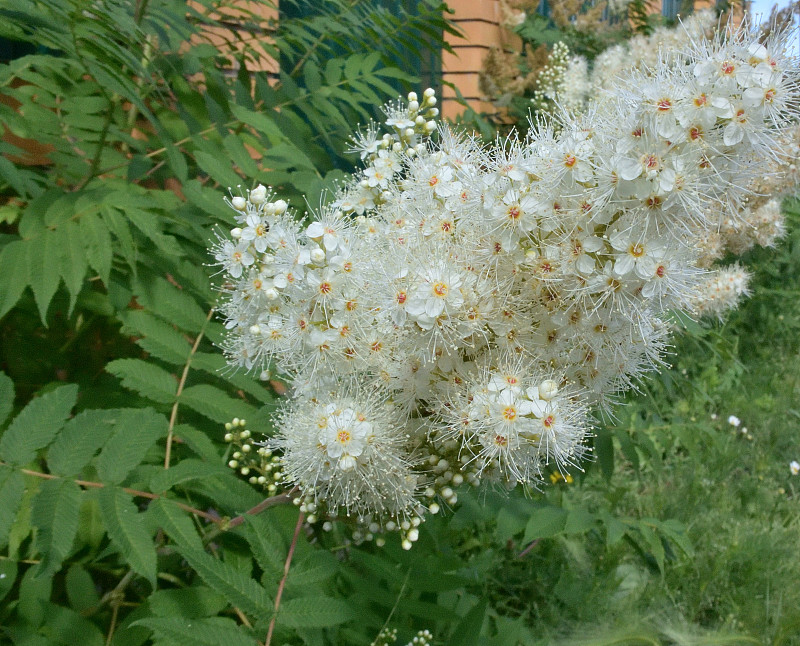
{"points": [[550, 84], [457, 310]]}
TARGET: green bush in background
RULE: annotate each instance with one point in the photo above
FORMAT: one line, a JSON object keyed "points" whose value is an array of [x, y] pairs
{"points": [[120, 522]]}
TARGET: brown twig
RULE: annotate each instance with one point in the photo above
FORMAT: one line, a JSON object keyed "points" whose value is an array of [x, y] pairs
{"points": [[286, 567], [174, 414], [524, 552], [264, 504]]}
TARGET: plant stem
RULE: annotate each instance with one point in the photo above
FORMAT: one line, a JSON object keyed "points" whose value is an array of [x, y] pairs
{"points": [[174, 414], [286, 567], [87, 484]]}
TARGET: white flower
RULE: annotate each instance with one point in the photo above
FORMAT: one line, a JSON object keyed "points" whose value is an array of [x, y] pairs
{"points": [[734, 421], [794, 467]]}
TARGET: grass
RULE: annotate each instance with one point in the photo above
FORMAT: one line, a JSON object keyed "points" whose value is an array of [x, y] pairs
{"points": [[731, 487]]}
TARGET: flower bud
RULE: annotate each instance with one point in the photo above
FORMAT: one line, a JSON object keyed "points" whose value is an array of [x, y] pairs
{"points": [[239, 203], [280, 207], [318, 255], [258, 195], [548, 389]]}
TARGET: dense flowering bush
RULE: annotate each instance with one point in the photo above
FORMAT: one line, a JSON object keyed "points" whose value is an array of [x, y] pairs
{"points": [[457, 311]]}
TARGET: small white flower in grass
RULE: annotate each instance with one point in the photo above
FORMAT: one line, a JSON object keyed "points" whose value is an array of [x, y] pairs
{"points": [[794, 467], [734, 421]]}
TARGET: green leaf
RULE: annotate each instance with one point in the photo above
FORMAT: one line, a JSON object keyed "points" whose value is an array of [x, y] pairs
{"points": [[197, 441], [314, 612], [579, 521], [14, 270], [544, 523], [654, 543], [67, 627], [79, 440], [145, 378], [72, 260], [8, 576], [216, 364], [185, 471], [314, 568], [127, 531], [220, 171], [196, 601], [198, 632], [135, 432], [12, 486], [81, 589], [176, 523], [237, 587], [266, 544], [42, 254], [172, 304], [158, 338], [604, 450], [239, 155], [97, 244], [55, 514], [6, 396], [215, 404], [468, 630], [37, 424]]}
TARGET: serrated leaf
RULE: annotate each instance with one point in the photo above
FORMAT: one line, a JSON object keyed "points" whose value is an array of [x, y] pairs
{"points": [[197, 441], [127, 531], [654, 543], [238, 588], [198, 632], [12, 486], [176, 523], [6, 396], [185, 471], [42, 255], [172, 304], [79, 440], [314, 612], [195, 601], [145, 378], [239, 155], [220, 171], [216, 365], [615, 529], [468, 630], [72, 260], [14, 270], [158, 338], [97, 243], [314, 568], [8, 576], [55, 514], [215, 404], [544, 523], [266, 544], [37, 424], [135, 431]]}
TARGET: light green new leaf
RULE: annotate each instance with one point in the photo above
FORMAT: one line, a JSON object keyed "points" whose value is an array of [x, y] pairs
{"points": [[78, 441], [136, 430], [215, 404], [158, 338], [236, 586], [37, 424], [544, 523], [314, 612], [185, 471], [127, 531], [145, 378], [6, 396], [55, 514], [12, 486], [175, 522], [198, 632]]}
